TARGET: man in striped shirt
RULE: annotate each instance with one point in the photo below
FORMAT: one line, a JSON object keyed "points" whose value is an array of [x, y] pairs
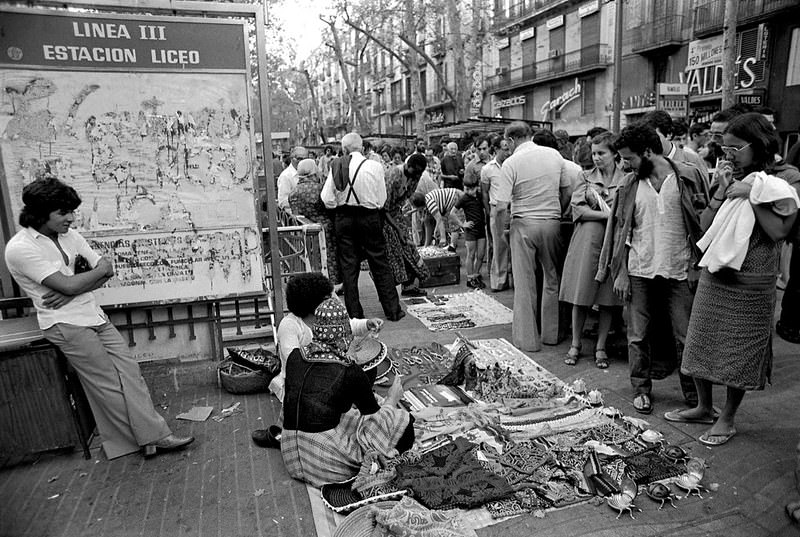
{"points": [[440, 203]]}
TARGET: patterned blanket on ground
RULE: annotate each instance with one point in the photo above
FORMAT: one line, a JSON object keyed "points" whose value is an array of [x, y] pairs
{"points": [[459, 311]]}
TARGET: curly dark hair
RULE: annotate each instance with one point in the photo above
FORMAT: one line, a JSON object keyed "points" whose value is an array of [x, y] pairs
{"points": [[754, 128], [659, 119], [545, 138], [42, 197], [304, 292], [639, 137]]}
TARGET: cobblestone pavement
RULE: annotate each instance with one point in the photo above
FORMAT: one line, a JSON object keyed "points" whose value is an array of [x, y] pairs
{"points": [[224, 486]]}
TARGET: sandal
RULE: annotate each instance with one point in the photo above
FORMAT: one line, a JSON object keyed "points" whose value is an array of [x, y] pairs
{"points": [[572, 355], [643, 404], [601, 359]]}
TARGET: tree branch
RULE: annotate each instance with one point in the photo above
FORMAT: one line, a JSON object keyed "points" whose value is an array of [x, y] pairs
{"points": [[429, 60]]}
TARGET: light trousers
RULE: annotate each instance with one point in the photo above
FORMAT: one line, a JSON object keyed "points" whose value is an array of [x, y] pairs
{"points": [[535, 241], [112, 380], [498, 274]]}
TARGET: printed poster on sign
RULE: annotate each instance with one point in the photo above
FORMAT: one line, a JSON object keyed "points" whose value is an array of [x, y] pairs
{"points": [[151, 125]]}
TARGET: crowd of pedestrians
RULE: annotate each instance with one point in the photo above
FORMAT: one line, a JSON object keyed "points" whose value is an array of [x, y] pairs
{"points": [[650, 219]]}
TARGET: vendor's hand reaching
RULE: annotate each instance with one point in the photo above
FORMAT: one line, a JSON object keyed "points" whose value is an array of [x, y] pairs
{"points": [[374, 325], [54, 300], [395, 392]]}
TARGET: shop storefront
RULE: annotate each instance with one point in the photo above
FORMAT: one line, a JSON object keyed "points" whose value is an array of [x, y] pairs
{"points": [[703, 75]]}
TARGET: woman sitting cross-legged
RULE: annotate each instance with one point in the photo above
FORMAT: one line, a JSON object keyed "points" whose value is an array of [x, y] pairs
{"points": [[331, 416]]}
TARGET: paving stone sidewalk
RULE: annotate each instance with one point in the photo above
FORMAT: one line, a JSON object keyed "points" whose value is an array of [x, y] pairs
{"points": [[224, 486]]}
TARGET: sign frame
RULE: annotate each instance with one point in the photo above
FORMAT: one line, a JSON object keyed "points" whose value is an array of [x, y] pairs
{"points": [[178, 11]]}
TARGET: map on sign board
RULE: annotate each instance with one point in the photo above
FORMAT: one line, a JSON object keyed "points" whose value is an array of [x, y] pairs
{"points": [[163, 165]]}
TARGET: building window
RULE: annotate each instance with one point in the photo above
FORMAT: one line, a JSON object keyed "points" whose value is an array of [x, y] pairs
{"points": [[395, 95], [555, 93], [423, 85], [793, 70], [587, 96], [505, 57]]}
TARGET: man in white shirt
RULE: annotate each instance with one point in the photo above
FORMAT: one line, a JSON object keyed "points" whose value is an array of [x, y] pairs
{"points": [[356, 190], [535, 182], [498, 214], [287, 180], [44, 257]]}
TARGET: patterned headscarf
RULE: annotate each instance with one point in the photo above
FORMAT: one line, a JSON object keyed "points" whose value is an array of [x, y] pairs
{"points": [[331, 333]]}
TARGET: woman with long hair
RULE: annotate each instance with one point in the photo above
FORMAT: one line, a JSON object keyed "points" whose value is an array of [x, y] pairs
{"points": [[729, 340], [591, 203]]}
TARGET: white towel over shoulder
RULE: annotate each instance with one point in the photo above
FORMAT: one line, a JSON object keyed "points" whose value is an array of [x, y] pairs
{"points": [[727, 239]]}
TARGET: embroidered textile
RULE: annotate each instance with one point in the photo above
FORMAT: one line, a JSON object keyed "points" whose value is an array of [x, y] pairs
{"points": [[650, 466], [525, 457], [410, 519], [451, 476]]}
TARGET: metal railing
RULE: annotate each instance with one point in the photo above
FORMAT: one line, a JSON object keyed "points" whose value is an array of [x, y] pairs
{"points": [[520, 10], [709, 14], [560, 65], [657, 33]]}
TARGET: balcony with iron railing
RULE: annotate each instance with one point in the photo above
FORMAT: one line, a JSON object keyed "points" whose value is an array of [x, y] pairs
{"points": [[657, 35], [709, 14], [522, 10], [559, 66]]}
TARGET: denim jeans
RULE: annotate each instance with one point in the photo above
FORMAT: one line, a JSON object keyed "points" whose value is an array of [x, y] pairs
{"points": [[647, 296]]}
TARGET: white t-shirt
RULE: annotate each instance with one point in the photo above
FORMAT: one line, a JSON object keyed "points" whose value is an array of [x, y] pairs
{"points": [[31, 257]]}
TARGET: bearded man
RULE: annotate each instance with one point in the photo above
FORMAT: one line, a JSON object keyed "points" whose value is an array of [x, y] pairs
{"points": [[650, 250]]}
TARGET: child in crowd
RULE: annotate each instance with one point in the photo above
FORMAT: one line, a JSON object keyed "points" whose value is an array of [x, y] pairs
{"points": [[439, 203], [474, 226]]}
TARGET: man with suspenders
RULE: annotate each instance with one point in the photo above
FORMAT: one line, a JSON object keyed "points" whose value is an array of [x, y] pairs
{"points": [[356, 190]]}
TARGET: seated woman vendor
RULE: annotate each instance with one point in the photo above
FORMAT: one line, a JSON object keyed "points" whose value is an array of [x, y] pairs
{"points": [[331, 416], [304, 292]]}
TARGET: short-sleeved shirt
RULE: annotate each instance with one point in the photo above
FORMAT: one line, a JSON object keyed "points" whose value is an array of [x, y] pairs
{"points": [[31, 257], [426, 184], [658, 243], [490, 176], [473, 212], [442, 200], [472, 175], [531, 180]]}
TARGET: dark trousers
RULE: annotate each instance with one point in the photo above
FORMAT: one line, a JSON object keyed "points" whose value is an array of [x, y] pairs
{"points": [[647, 297], [790, 304], [359, 233]]}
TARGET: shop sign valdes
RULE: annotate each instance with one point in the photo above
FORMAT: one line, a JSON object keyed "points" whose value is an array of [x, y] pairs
{"points": [[85, 41], [562, 100]]}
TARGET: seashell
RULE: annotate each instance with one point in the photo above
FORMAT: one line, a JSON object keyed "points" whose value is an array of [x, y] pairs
{"points": [[696, 468], [675, 453], [659, 492], [652, 436], [622, 502], [595, 397], [690, 484], [579, 386]]}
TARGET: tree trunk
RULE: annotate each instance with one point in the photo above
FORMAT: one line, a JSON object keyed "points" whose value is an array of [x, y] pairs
{"points": [[337, 48], [459, 68], [729, 52], [315, 104], [417, 99]]}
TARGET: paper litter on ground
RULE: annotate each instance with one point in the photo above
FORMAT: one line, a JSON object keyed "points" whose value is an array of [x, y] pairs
{"points": [[196, 413]]}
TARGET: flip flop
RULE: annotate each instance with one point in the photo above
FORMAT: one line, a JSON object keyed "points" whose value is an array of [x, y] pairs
{"points": [[645, 406], [677, 417], [793, 511], [722, 438]]}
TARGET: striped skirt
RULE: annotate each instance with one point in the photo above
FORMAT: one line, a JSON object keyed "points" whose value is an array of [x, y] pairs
{"points": [[335, 455]]}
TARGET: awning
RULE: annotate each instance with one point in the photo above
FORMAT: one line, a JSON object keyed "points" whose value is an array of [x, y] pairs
{"points": [[482, 124]]}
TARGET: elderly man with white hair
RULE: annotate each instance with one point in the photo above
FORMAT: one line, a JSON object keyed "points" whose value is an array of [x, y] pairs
{"points": [[452, 168], [287, 180], [356, 190]]}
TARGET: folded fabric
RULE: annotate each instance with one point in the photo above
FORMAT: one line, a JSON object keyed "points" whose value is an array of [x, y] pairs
{"points": [[410, 519], [726, 241]]}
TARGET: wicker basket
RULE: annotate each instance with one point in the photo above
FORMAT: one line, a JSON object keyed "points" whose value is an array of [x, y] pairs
{"points": [[237, 379]]}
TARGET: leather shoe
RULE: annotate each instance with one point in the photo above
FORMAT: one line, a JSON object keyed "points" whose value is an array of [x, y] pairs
{"points": [[268, 438], [397, 317], [168, 443]]}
